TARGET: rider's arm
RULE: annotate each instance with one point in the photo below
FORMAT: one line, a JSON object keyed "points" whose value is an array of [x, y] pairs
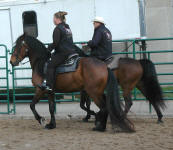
{"points": [[56, 39], [95, 41]]}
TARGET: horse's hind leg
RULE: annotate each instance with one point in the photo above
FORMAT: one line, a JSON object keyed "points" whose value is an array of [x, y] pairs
{"points": [[86, 100], [159, 113], [82, 105], [39, 93], [128, 103], [157, 109], [101, 116], [127, 97], [52, 123]]}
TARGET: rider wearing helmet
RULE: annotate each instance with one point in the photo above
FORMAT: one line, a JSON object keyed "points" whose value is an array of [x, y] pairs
{"points": [[101, 43], [63, 46]]}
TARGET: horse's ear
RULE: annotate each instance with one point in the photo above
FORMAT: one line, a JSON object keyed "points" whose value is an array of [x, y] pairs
{"points": [[24, 34]]}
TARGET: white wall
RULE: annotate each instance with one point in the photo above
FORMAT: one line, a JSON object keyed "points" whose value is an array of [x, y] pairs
{"points": [[121, 17]]}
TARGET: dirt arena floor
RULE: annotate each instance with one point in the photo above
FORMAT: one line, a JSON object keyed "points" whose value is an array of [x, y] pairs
{"points": [[73, 134]]}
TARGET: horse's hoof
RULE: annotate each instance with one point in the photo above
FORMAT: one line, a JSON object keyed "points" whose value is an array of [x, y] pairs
{"points": [[117, 129], [50, 126], [160, 122], [85, 120], [100, 129], [43, 122]]}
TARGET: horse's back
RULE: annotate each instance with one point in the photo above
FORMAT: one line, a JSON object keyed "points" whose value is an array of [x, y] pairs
{"points": [[93, 67], [128, 60], [129, 71]]}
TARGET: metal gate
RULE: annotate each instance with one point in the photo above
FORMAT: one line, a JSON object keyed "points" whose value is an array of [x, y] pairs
{"points": [[4, 81]]}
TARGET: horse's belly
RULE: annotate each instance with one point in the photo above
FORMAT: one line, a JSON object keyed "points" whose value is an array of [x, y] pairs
{"points": [[69, 82]]}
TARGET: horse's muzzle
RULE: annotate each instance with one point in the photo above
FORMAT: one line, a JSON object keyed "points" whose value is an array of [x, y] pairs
{"points": [[16, 63]]}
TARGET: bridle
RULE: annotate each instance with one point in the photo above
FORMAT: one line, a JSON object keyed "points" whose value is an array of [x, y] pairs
{"points": [[18, 60]]}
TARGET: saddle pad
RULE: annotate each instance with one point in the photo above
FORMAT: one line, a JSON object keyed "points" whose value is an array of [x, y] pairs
{"points": [[68, 68], [115, 62]]}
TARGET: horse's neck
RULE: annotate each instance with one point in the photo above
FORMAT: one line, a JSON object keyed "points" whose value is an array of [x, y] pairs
{"points": [[32, 61], [37, 64]]}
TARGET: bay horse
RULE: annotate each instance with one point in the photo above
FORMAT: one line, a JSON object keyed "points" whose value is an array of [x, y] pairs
{"points": [[91, 75], [132, 73]]}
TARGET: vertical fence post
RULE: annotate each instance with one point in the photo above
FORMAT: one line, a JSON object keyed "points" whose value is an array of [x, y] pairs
{"points": [[134, 56], [13, 110], [14, 92], [7, 81], [134, 50], [150, 108], [55, 103], [73, 97]]}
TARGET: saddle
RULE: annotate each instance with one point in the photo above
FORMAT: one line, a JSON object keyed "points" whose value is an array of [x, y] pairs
{"points": [[70, 65], [108, 60], [112, 62]]}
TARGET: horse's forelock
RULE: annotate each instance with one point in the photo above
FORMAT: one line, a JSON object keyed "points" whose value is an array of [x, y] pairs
{"points": [[19, 40]]}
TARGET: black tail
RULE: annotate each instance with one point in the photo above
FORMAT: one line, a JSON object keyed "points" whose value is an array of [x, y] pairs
{"points": [[151, 85], [114, 105]]}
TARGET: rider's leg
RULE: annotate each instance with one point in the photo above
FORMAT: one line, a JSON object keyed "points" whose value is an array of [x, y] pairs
{"points": [[56, 60]]}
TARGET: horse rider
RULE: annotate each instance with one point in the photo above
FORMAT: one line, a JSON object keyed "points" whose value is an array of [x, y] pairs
{"points": [[63, 46], [101, 43]]}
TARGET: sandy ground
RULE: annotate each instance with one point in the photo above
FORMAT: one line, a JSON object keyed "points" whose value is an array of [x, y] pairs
{"points": [[73, 134]]}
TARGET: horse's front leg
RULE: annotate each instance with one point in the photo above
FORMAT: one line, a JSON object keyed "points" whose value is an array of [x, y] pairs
{"points": [[38, 94], [85, 99], [82, 105], [52, 123]]}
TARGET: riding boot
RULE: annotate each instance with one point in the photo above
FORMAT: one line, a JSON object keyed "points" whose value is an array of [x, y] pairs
{"points": [[50, 78], [48, 84]]}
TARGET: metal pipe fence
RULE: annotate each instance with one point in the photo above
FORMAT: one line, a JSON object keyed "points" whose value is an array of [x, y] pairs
{"points": [[71, 97]]}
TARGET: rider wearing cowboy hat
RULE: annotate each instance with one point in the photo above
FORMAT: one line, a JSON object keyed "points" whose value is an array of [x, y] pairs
{"points": [[101, 43]]}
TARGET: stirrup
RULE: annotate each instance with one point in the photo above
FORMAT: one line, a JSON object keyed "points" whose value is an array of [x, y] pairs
{"points": [[44, 86]]}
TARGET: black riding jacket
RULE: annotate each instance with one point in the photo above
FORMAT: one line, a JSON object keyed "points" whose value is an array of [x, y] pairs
{"points": [[62, 40], [101, 43]]}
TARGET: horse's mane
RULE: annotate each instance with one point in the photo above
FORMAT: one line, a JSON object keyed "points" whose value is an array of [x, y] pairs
{"points": [[38, 50]]}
